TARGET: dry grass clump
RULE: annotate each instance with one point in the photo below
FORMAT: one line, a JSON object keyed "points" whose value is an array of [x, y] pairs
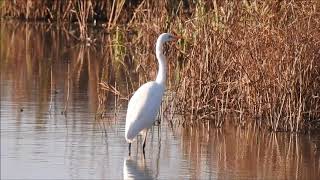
{"points": [[253, 61]]}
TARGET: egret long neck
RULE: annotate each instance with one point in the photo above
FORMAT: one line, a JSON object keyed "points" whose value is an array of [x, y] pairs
{"points": [[161, 77]]}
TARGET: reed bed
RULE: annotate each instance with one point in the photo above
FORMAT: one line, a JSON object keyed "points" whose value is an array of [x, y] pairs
{"points": [[264, 67], [243, 61], [253, 61]]}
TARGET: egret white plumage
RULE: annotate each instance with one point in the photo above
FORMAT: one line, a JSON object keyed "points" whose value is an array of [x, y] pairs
{"points": [[145, 103]]}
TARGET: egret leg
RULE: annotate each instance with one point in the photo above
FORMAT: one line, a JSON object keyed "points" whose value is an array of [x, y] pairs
{"points": [[144, 141], [129, 149], [144, 155]]}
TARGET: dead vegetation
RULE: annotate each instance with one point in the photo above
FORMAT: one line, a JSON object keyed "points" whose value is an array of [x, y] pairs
{"points": [[245, 61]]}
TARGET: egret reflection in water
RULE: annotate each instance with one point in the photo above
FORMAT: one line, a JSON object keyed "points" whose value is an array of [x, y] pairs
{"points": [[136, 169]]}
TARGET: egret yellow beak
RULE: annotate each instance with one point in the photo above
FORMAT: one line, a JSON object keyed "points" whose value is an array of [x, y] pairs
{"points": [[176, 37]]}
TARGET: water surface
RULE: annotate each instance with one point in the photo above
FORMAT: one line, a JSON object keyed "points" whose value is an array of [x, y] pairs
{"points": [[49, 128]]}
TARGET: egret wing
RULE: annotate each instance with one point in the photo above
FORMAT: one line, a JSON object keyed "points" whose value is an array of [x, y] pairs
{"points": [[143, 108]]}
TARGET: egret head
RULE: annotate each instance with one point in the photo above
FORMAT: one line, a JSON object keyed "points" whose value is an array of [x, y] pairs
{"points": [[165, 37]]}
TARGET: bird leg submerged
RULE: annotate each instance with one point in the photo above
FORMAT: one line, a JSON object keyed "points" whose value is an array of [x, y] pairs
{"points": [[144, 141]]}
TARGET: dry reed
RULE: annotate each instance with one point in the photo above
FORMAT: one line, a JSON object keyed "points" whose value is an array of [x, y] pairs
{"points": [[240, 60]]}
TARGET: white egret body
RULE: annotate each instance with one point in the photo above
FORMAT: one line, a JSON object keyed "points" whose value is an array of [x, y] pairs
{"points": [[145, 103]]}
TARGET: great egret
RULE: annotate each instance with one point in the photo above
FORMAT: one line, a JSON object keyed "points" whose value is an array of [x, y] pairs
{"points": [[145, 103]]}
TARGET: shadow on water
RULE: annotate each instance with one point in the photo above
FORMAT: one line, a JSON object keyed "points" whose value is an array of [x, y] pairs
{"points": [[55, 116]]}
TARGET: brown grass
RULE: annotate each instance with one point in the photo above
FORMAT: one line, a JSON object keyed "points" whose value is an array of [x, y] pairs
{"points": [[239, 60]]}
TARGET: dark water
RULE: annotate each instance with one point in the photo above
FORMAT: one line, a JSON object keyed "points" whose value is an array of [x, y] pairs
{"points": [[49, 128]]}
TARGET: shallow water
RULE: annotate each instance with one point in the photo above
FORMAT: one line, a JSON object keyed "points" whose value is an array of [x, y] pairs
{"points": [[49, 128]]}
